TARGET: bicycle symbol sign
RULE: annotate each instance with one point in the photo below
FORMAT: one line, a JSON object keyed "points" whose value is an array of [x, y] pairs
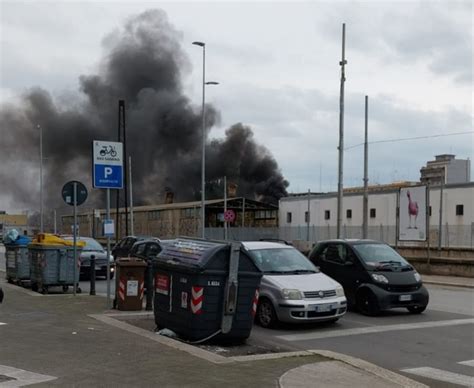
{"points": [[108, 150]]}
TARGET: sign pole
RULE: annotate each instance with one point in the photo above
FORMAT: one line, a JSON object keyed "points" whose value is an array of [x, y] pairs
{"points": [[108, 251], [225, 208], [74, 229]]}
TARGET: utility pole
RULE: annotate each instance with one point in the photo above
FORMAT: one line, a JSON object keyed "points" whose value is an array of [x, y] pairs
{"points": [[365, 203], [308, 220], [342, 63]]}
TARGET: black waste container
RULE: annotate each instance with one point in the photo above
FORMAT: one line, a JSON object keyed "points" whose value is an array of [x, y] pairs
{"points": [[205, 289]]}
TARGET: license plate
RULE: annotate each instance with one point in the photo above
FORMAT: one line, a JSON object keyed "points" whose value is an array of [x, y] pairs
{"points": [[323, 308], [404, 298]]}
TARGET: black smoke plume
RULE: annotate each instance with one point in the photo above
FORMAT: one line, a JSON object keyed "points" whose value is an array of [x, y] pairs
{"points": [[143, 64]]}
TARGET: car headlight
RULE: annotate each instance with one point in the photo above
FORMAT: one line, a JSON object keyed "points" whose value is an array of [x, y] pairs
{"points": [[379, 278], [417, 276], [339, 291], [291, 294]]}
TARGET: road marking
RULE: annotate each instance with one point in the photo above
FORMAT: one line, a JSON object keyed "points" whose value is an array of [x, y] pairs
{"points": [[468, 363], [442, 375], [374, 329], [21, 377], [2, 323]]}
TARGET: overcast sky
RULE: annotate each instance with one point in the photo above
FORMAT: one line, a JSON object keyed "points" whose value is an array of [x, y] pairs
{"points": [[278, 68]]}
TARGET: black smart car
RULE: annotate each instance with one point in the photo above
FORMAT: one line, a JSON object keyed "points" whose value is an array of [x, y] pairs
{"points": [[374, 276]]}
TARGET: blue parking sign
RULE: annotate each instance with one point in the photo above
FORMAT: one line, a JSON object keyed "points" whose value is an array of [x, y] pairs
{"points": [[106, 176]]}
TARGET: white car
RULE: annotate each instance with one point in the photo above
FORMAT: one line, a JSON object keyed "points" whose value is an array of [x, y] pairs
{"points": [[292, 288]]}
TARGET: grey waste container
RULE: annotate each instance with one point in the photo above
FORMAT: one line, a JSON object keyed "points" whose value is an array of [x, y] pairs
{"points": [[205, 289], [52, 265], [17, 263]]}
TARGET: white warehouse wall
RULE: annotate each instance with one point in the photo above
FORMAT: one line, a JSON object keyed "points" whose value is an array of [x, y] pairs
{"points": [[384, 203]]}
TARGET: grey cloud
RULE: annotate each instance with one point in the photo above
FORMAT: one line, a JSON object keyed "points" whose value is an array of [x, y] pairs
{"points": [[437, 33]]}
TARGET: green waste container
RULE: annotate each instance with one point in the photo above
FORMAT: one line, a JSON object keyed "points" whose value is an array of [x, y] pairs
{"points": [[52, 264], [17, 263]]}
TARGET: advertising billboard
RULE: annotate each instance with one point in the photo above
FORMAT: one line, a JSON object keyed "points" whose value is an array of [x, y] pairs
{"points": [[412, 214]]}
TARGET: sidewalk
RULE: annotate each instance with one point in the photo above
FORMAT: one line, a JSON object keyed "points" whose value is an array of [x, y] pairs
{"points": [[59, 343], [453, 281]]}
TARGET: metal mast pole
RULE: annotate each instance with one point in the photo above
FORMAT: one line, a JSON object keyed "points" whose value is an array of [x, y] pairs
{"points": [[123, 127], [41, 178], [308, 220], [203, 161], [225, 207], [365, 203], [117, 205], [440, 230], [74, 229], [131, 195], [341, 135]]}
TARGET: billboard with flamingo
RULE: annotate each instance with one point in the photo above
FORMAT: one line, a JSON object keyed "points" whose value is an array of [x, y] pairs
{"points": [[412, 214]]}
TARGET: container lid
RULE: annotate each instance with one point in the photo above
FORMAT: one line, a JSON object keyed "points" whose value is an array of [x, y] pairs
{"points": [[190, 252], [52, 239]]}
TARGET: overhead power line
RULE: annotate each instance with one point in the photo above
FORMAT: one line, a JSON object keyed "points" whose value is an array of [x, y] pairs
{"points": [[410, 138]]}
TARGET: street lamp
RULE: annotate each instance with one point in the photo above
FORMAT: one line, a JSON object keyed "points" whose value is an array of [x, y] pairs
{"points": [[203, 160]]}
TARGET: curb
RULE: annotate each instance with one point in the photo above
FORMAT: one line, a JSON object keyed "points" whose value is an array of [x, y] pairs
{"points": [[373, 369], [438, 283]]}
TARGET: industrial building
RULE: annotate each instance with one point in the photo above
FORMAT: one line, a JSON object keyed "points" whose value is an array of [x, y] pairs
{"points": [[170, 220]]}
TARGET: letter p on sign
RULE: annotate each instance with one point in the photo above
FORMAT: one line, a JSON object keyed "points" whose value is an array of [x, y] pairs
{"points": [[107, 172]]}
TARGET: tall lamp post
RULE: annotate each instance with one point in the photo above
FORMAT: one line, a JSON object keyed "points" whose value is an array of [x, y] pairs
{"points": [[41, 176], [203, 160]]}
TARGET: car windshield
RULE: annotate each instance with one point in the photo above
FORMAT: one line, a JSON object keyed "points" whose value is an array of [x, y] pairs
{"points": [[91, 244], [379, 254], [282, 260]]}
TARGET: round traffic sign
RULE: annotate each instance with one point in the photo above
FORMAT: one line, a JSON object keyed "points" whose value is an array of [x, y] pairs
{"points": [[68, 193], [229, 216]]}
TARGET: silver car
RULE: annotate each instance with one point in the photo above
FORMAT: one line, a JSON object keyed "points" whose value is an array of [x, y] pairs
{"points": [[94, 248], [292, 288]]}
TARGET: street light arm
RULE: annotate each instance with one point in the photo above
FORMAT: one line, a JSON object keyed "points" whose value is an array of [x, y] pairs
{"points": [[202, 44], [212, 83]]}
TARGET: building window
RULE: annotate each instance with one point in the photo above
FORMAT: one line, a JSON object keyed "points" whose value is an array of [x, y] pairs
{"points": [[306, 217], [154, 215], [459, 210], [188, 213], [349, 213], [288, 217], [265, 214], [327, 214], [372, 213]]}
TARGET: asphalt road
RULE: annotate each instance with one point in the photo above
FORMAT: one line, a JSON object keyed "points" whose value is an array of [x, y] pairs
{"points": [[438, 343], [435, 348]]}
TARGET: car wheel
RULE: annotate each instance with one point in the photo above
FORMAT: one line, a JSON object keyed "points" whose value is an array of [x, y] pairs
{"points": [[367, 303], [416, 309], [266, 315]]}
